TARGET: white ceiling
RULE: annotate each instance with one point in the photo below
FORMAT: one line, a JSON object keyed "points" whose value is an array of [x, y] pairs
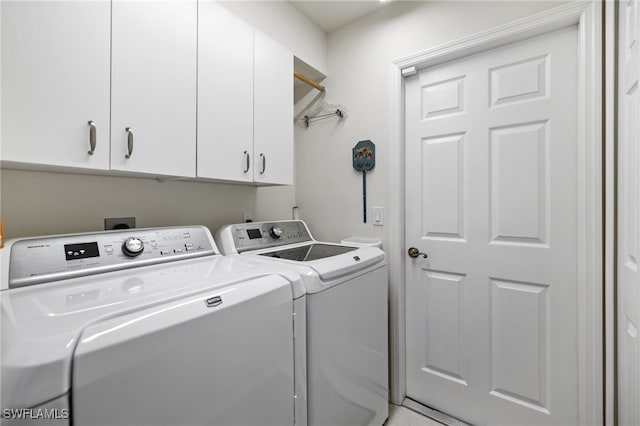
{"points": [[330, 15]]}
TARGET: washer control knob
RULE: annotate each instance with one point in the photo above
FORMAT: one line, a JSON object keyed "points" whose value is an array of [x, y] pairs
{"points": [[132, 247], [276, 232]]}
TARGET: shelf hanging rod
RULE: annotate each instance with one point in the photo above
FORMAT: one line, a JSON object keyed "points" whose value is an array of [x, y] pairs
{"points": [[307, 80]]}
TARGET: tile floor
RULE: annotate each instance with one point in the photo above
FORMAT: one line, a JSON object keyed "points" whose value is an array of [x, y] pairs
{"points": [[402, 416]]}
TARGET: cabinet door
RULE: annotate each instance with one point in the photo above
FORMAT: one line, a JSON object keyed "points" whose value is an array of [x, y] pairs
{"points": [[55, 80], [225, 95], [154, 87], [273, 113]]}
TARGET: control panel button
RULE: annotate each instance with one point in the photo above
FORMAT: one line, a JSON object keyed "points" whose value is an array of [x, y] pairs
{"points": [[276, 232], [132, 247]]}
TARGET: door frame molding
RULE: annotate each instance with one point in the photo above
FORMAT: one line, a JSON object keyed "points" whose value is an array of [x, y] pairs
{"points": [[587, 15]]}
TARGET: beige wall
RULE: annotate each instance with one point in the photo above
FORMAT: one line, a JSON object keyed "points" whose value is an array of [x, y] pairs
{"points": [[328, 190], [38, 203]]}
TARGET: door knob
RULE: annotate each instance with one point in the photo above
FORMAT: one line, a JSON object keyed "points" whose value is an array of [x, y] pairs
{"points": [[414, 252]]}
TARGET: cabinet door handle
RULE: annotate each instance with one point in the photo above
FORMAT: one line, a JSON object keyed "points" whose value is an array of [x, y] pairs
{"points": [[92, 137], [247, 159], [129, 142], [264, 163]]}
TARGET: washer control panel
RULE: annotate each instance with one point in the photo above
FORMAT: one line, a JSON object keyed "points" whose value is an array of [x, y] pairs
{"points": [[259, 235], [46, 259]]}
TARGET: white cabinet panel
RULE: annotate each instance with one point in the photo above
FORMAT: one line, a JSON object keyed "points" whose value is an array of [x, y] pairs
{"points": [[225, 95], [273, 113], [154, 86], [55, 80], [139, 71]]}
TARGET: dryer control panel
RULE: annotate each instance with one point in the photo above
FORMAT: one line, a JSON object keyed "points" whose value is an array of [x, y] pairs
{"points": [[47, 259], [260, 235]]}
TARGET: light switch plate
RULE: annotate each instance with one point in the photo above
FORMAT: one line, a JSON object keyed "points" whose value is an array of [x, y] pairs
{"points": [[378, 216]]}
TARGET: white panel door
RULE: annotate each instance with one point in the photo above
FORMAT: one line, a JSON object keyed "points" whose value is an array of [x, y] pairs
{"points": [[225, 95], [491, 197], [628, 215], [273, 112], [55, 81], [154, 87]]}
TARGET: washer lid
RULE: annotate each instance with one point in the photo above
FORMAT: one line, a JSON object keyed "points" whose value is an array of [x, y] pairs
{"points": [[41, 324], [347, 263], [309, 252], [322, 273]]}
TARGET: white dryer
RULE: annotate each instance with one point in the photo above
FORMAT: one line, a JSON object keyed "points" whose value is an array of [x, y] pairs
{"points": [[146, 327], [347, 323]]}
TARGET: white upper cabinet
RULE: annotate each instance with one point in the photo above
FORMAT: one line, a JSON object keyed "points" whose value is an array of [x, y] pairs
{"points": [[153, 110], [273, 113], [116, 85], [245, 101], [55, 82], [225, 95]]}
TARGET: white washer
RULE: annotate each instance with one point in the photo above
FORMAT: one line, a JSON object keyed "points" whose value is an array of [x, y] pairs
{"points": [[145, 326], [347, 325]]}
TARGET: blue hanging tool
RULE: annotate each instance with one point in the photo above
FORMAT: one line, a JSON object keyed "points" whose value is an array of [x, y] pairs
{"points": [[364, 160]]}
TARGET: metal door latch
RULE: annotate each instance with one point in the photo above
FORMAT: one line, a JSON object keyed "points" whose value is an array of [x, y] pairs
{"points": [[414, 252]]}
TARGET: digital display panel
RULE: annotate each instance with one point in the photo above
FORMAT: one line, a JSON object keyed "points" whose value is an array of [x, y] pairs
{"points": [[254, 233], [81, 251]]}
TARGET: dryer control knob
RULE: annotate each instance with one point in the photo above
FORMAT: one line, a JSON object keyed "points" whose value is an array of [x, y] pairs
{"points": [[132, 247], [276, 232]]}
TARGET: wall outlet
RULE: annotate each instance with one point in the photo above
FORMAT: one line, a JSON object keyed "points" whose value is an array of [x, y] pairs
{"points": [[247, 217], [119, 223]]}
